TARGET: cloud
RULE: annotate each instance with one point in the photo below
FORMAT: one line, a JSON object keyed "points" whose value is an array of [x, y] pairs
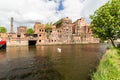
{"points": [[90, 6], [27, 12], [72, 9]]}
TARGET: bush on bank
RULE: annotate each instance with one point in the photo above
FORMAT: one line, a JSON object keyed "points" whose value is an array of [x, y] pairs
{"points": [[109, 67]]}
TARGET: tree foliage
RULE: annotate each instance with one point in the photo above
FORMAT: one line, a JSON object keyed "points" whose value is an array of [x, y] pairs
{"points": [[3, 29], [58, 23], [105, 22], [29, 31], [48, 28]]}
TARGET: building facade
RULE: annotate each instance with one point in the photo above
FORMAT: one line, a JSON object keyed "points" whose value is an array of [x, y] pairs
{"points": [[54, 36], [21, 31], [66, 33], [39, 29]]}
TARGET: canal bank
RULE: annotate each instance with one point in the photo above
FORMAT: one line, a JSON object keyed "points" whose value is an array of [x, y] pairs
{"points": [[24, 42], [109, 67]]}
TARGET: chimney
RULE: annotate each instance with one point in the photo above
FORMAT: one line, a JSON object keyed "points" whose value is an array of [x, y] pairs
{"points": [[11, 25]]}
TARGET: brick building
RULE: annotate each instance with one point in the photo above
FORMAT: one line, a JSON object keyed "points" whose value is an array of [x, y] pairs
{"points": [[64, 30], [67, 32], [54, 36], [83, 32], [21, 31], [39, 29]]}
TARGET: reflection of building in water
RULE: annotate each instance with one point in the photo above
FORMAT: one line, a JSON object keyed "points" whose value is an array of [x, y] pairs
{"points": [[40, 51], [17, 52], [2, 56], [37, 68]]}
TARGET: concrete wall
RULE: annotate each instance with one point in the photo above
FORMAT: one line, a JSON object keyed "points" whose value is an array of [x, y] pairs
{"points": [[17, 43]]}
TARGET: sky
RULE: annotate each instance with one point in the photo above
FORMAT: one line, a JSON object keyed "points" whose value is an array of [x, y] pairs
{"points": [[27, 12]]}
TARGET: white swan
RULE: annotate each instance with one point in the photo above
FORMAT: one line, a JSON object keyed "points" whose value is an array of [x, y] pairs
{"points": [[59, 50]]}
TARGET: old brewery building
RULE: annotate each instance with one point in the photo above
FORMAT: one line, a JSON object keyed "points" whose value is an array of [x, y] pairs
{"points": [[63, 31]]}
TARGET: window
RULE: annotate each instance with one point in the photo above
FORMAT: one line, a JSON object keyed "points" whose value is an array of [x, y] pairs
{"points": [[40, 30], [18, 35], [35, 35], [39, 40], [66, 29]]}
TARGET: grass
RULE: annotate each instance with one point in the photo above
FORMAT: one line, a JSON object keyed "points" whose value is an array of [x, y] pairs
{"points": [[109, 67]]}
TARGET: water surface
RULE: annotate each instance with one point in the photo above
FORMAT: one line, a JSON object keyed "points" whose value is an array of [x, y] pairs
{"points": [[74, 62]]}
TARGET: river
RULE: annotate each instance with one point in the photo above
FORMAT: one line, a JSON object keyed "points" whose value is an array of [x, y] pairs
{"points": [[74, 62]]}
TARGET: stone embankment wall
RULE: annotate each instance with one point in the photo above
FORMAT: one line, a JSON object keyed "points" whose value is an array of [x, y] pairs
{"points": [[17, 42]]}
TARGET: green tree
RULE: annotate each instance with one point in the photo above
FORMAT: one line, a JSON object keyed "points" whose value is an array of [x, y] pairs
{"points": [[3, 29], [58, 23], [105, 22], [48, 28], [29, 31]]}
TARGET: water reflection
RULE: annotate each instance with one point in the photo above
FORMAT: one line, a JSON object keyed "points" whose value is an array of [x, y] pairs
{"points": [[17, 52], [75, 62], [2, 55], [37, 68]]}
